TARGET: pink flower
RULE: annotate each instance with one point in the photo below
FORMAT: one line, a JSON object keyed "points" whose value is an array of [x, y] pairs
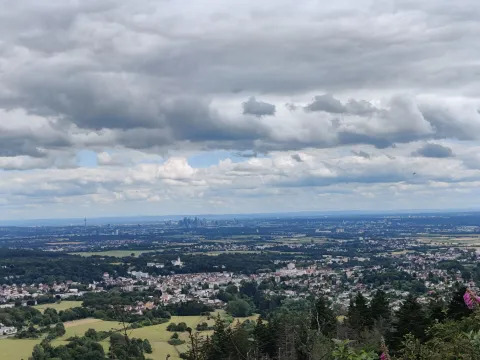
{"points": [[467, 298], [471, 299], [383, 356]]}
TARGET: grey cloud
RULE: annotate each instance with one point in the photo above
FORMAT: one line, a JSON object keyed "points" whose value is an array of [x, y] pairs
{"points": [[354, 138], [472, 161], [291, 106], [362, 51], [194, 121], [433, 151], [459, 122], [24, 163], [360, 107], [59, 161], [317, 181], [258, 108], [24, 141], [144, 82], [10, 147], [326, 103], [247, 155], [361, 153], [297, 158]]}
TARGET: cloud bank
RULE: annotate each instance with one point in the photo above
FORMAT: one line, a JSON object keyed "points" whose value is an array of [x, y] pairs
{"points": [[160, 105]]}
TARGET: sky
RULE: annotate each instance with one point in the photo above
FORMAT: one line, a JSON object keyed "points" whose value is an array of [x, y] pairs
{"points": [[117, 108]]}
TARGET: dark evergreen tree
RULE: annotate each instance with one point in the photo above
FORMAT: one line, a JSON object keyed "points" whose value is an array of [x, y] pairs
{"points": [[359, 315], [147, 347], [410, 318], [218, 346], [59, 329], [323, 318], [240, 346], [122, 347], [80, 348], [380, 307], [91, 334], [456, 308], [262, 338], [436, 311]]}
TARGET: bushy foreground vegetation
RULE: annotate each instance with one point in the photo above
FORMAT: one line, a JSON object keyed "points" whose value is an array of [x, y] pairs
{"points": [[311, 331], [87, 347]]}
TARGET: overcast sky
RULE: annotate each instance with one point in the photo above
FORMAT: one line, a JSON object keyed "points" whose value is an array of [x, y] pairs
{"points": [[188, 107]]}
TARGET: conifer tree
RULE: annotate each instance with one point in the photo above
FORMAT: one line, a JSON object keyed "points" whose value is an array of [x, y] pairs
{"points": [[219, 342], [436, 311], [380, 307], [359, 315], [263, 340], [456, 308], [410, 318], [323, 318]]}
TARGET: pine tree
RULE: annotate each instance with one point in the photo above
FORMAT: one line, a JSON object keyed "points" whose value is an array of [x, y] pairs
{"points": [[436, 311], [38, 353], [241, 345], [359, 315], [411, 318], [323, 318], [219, 342], [456, 308], [262, 337], [379, 307]]}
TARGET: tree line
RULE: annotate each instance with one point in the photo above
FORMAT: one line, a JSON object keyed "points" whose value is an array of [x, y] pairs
{"points": [[311, 330]]}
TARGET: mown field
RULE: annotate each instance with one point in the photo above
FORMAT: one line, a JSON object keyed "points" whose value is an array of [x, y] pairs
{"points": [[302, 240], [157, 335], [216, 253], [114, 253], [64, 305], [13, 349], [462, 240]]}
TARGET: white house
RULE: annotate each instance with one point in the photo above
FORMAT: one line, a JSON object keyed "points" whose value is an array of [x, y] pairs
{"points": [[177, 262], [7, 330]]}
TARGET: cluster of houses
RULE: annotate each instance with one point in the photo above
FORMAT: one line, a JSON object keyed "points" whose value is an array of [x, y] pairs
{"points": [[336, 276], [7, 330]]}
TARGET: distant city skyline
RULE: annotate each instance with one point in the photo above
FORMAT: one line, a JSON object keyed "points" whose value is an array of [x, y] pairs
{"points": [[132, 219]]}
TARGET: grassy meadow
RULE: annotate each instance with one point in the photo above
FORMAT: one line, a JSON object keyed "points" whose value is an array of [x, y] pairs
{"points": [[64, 305], [113, 253], [17, 349]]}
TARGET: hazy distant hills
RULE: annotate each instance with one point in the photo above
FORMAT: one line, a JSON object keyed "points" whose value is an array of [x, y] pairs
{"points": [[161, 218]]}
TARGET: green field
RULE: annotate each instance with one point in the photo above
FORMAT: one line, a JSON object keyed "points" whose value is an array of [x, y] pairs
{"points": [[303, 240], [216, 253], [79, 327], [158, 336], [460, 240], [114, 253], [16, 349], [64, 305], [13, 349]]}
